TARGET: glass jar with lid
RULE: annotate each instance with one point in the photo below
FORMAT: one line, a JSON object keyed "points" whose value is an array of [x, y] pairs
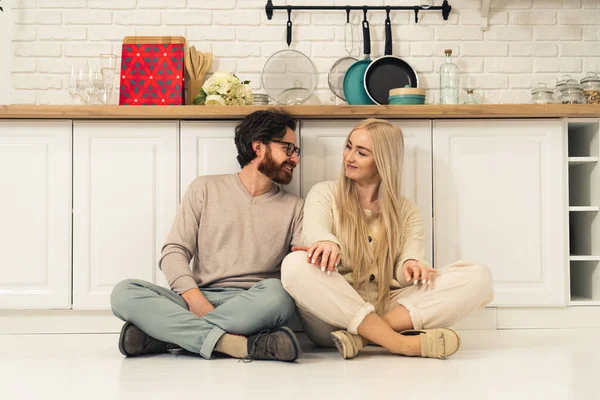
{"points": [[571, 93], [542, 94], [561, 82], [591, 88]]}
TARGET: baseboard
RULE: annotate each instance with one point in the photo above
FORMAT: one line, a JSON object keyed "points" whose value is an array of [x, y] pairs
{"points": [[549, 318], [482, 319], [58, 321], [103, 321]]}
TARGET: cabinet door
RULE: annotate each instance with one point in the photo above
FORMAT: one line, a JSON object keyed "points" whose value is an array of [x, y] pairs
{"points": [[35, 214], [500, 199], [125, 199], [208, 148], [322, 150]]}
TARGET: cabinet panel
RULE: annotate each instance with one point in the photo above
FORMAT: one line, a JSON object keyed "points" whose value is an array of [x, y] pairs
{"points": [[499, 198], [125, 200], [35, 214]]}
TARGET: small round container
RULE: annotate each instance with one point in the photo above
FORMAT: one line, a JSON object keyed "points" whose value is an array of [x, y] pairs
{"points": [[571, 93], [260, 99], [559, 85], [407, 95], [591, 88], [542, 94]]}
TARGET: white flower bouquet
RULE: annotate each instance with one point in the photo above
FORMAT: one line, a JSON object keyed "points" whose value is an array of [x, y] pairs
{"points": [[224, 89]]}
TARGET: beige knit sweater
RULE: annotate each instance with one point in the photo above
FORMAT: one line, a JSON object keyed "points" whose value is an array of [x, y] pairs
{"points": [[321, 223], [234, 239]]}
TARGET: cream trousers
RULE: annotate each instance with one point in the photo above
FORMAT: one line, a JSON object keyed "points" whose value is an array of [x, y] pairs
{"points": [[329, 303]]}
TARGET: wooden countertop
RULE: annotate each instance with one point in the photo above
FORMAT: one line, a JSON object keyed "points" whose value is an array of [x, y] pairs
{"points": [[303, 112]]}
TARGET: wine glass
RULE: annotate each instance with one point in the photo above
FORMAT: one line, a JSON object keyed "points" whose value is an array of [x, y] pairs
{"points": [[95, 87], [108, 69], [82, 77], [72, 84]]}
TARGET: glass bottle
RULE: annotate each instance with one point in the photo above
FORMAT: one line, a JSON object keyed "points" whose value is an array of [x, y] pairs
{"points": [[449, 81]]}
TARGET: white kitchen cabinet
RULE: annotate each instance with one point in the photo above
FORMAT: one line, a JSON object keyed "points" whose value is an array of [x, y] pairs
{"points": [[500, 198], [125, 198], [322, 150], [35, 214], [208, 148]]}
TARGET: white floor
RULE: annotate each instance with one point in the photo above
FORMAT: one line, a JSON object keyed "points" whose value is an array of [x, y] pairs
{"points": [[509, 364]]}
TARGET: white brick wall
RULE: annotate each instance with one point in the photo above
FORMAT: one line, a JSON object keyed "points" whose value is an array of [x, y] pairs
{"points": [[528, 41]]}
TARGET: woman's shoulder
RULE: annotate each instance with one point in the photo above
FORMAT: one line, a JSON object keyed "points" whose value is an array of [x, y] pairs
{"points": [[326, 188], [408, 206]]}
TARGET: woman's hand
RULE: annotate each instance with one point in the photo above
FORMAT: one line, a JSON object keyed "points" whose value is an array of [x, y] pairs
{"points": [[325, 254], [414, 270]]}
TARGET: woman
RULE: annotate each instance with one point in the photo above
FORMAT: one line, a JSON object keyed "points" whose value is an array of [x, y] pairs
{"points": [[362, 275]]}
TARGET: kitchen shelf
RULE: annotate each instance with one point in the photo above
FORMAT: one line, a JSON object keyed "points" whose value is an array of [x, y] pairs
{"points": [[585, 282], [582, 160], [583, 258], [425, 111], [583, 301], [584, 209], [583, 137], [584, 220]]}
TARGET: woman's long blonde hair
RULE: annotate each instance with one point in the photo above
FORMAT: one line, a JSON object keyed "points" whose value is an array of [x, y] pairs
{"points": [[383, 254]]}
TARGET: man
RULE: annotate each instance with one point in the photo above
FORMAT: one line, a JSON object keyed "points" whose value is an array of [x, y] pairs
{"points": [[237, 229]]}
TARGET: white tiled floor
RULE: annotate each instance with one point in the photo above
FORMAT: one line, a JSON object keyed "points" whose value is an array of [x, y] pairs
{"points": [[517, 364]]}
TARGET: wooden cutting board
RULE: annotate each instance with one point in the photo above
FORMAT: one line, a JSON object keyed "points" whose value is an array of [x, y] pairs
{"points": [[154, 40]]}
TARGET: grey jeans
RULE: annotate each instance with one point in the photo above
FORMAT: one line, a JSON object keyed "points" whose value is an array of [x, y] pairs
{"points": [[164, 315]]}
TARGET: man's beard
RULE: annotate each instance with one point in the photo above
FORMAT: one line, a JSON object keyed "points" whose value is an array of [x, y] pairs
{"points": [[277, 173]]}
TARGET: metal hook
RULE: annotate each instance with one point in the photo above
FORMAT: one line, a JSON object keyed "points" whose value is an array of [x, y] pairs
{"points": [[387, 11], [365, 8], [347, 14], [416, 15]]}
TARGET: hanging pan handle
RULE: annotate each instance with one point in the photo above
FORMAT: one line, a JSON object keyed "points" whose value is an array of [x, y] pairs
{"points": [[366, 34], [388, 33], [289, 27]]}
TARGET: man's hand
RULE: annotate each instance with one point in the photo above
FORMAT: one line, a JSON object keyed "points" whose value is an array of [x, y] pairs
{"points": [[197, 303]]}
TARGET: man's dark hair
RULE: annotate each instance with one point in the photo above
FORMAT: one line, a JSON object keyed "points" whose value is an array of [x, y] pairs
{"points": [[264, 126]]}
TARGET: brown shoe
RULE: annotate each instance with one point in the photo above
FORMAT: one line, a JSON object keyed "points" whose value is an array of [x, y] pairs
{"points": [[134, 342], [279, 345], [436, 343], [347, 344]]}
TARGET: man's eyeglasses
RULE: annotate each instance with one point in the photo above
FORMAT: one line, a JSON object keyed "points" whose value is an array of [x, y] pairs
{"points": [[291, 148]]}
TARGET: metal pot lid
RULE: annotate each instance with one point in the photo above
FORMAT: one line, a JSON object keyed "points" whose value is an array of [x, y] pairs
{"points": [[291, 74]]}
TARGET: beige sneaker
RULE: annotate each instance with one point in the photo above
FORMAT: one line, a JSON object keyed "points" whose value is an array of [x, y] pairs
{"points": [[436, 343], [347, 344]]}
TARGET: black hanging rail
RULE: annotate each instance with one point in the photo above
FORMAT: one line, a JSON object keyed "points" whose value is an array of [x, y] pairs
{"points": [[445, 8]]}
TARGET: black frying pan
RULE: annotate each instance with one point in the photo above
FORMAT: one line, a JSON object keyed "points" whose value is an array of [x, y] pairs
{"points": [[388, 72]]}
